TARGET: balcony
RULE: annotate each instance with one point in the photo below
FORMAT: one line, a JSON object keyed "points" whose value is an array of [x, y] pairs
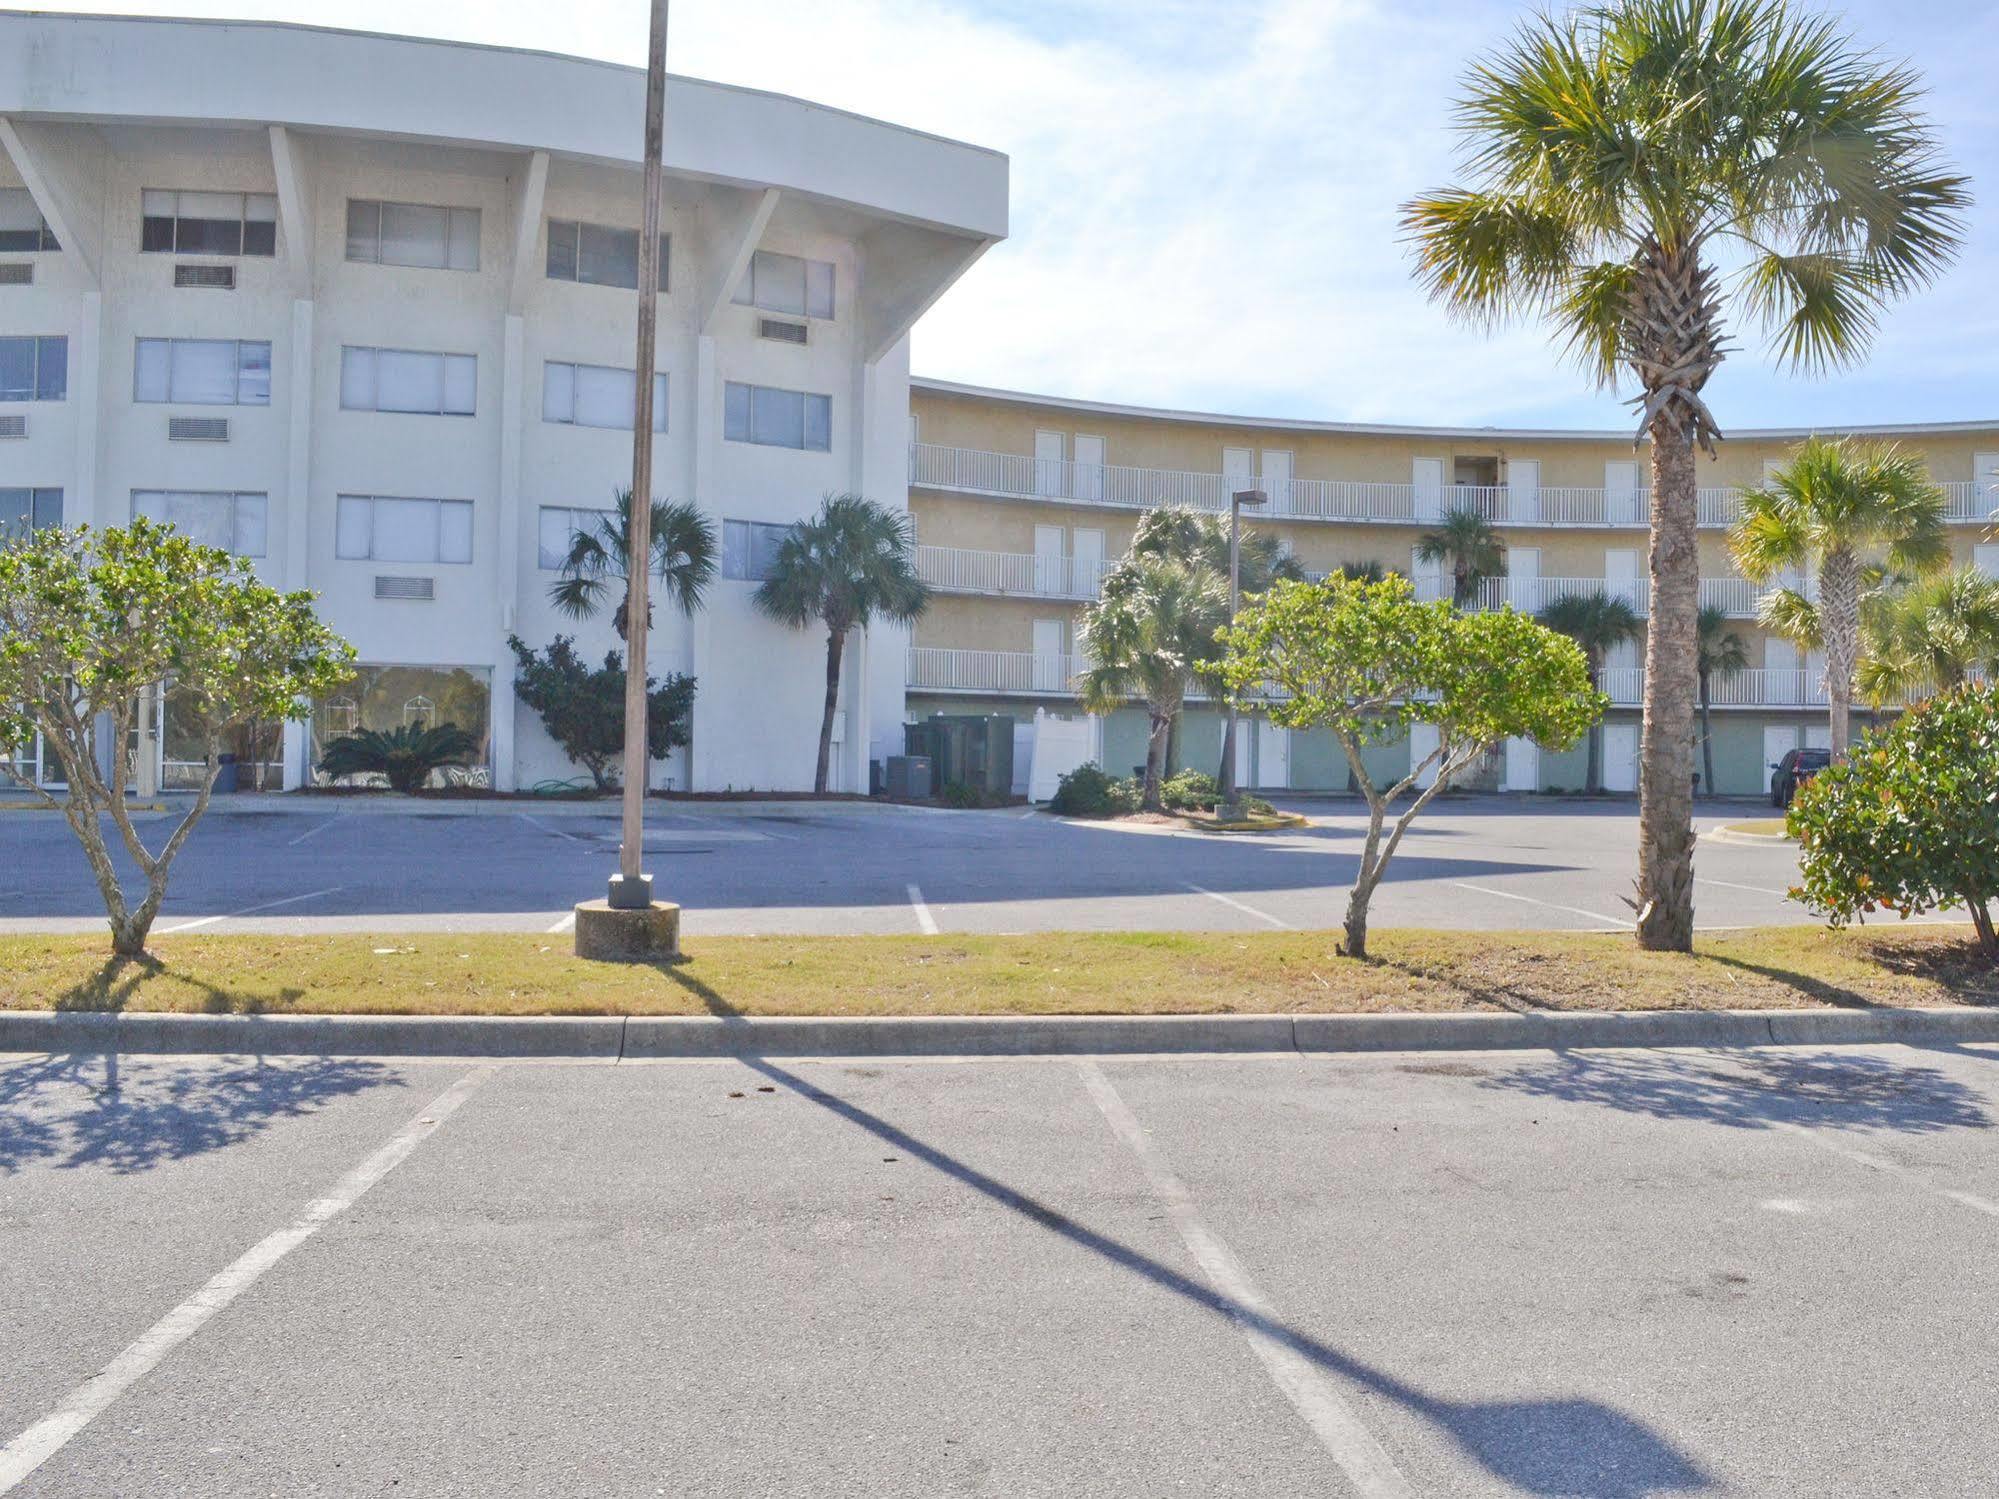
{"points": [[1063, 481], [1762, 687], [1008, 574], [1735, 597], [939, 670]]}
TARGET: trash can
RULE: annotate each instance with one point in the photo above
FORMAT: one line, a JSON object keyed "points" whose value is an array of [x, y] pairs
{"points": [[225, 776]]}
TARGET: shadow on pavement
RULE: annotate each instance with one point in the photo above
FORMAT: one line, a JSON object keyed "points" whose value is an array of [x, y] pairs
{"points": [[86, 1109], [1756, 1091]]}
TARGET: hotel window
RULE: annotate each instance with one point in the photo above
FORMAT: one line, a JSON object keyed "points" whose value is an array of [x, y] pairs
{"points": [[23, 511], [749, 548], [381, 528], [229, 520], [598, 255], [202, 372], [406, 380], [559, 525], [209, 223], [787, 283], [440, 239], [22, 227], [774, 418], [596, 395], [34, 369]]}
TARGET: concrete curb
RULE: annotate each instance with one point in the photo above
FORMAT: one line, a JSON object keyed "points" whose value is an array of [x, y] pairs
{"points": [[612, 1038]]}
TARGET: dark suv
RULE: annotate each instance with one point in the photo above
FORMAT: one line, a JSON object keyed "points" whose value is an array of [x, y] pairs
{"points": [[1797, 767]]}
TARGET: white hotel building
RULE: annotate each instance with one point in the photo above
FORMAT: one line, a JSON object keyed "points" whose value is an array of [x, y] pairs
{"points": [[350, 305]]}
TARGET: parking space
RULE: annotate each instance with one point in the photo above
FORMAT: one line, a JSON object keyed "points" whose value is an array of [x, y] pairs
{"points": [[1475, 863]]}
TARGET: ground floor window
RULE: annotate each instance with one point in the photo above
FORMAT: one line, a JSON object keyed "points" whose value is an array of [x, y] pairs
{"points": [[386, 698], [258, 749]]}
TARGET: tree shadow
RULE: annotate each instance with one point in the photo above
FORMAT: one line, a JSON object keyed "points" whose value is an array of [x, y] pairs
{"points": [[111, 988], [1756, 1091], [86, 1109], [1957, 966], [1571, 1448]]}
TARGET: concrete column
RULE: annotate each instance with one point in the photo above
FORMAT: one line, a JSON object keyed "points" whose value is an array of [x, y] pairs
{"points": [[297, 754], [295, 516], [85, 374], [503, 725], [706, 448], [507, 547]]}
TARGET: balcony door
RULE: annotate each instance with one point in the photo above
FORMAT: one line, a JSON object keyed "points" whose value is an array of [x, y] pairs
{"points": [[1048, 465], [1620, 493], [1620, 575], [1620, 757], [1523, 488], [1049, 672], [1273, 755], [1426, 480], [1089, 467], [1523, 578], [1048, 560], [1277, 479], [1086, 561]]}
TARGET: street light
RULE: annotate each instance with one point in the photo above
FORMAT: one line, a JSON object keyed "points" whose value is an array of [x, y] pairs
{"points": [[1231, 797]]}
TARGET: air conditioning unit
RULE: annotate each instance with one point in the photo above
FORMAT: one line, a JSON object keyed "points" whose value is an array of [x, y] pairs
{"points": [[14, 424], [782, 330], [388, 587], [197, 429], [17, 273], [207, 277]]}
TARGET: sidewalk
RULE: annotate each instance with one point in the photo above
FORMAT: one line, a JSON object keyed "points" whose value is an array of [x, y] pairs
{"points": [[385, 804]]}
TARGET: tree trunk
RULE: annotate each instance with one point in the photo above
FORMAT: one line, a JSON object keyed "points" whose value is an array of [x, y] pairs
{"points": [[1981, 923], [1356, 923], [1156, 742], [1593, 764], [836, 642], [1839, 622], [1665, 787], [1707, 736], [1172, 754]]}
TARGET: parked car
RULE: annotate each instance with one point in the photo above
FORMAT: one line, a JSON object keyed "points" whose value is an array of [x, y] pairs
{"points": [[1797, 767]]}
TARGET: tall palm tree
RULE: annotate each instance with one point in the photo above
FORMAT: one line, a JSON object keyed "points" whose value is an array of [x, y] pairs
{"points": [[1721, 652], [1839, 506], [1599, 624], [1150, 635], [1471, 545], [599, 557], [1928, 636], [852, 561], [1619, 156], [1200, 538]]}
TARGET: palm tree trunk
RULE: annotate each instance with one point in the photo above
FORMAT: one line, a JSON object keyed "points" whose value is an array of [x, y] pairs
{"points": [[1593, 761], [1839, 621], [1666, 771], [1707, 736], [1156, 742], [835, 643]]}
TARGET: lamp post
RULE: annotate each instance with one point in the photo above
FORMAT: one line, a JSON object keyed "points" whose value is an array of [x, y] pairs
{"points": [[1231, 798]]}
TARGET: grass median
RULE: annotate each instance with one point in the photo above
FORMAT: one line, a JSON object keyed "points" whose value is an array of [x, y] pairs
{"points": [[1057, 973]]}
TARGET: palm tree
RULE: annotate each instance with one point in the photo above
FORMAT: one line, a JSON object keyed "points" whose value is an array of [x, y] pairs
{"points": [[1599, 624], [1468, 541], [404, 756], [852, 561], [1839, 506], [1149, 635], [1721, 651], [1619, 156], [1928, 637], [683, 558], [1200, 538]]}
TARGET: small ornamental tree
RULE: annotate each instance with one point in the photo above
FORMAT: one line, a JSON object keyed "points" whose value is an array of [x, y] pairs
{"points": [[1369, 662], [1910, 823], [583, 708], [89, 620]]}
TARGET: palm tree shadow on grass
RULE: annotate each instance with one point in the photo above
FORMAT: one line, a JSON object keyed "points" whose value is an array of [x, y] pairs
{"points": [[1571, 1448]]}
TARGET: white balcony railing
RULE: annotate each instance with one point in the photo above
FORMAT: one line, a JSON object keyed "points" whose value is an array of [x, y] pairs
{"points": [[993, 671], [1761, 687], [1019, 476], [1034, 575], [1735, 597]]}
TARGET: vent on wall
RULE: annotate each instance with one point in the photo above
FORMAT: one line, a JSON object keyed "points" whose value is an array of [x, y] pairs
{"points": [[17, 273], [14, 424], [387, 587], [197, 429], [782, 331], [210, 277]]}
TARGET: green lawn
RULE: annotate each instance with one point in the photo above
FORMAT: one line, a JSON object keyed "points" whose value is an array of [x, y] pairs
{"points": [[1092, 973]]}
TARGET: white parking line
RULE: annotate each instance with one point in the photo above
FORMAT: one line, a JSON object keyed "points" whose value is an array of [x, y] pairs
{"points": [[1700, 879], [563, 925], [1829, 1140], [1369, 1468], [1610, 923], [1236, 905], [269, 905], [94, 1396], [925, 922], [546, 828], [317, 827]]}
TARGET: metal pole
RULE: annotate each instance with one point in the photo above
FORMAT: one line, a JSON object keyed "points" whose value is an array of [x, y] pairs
{"points": [[1229, 809], [631, 888]]}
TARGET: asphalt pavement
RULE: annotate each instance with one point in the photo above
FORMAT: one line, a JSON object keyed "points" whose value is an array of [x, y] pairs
{"points": [[1608, 1274]]}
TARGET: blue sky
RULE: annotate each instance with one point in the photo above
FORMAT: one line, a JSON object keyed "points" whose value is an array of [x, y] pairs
{"points": [[1205, 192]]}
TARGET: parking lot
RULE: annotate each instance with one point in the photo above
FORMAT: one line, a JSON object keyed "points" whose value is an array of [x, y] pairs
{"points": [[834, 867], [1603, 1274]]}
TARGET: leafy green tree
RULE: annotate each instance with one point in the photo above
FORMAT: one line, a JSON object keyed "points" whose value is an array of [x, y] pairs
{"points": [[405, 756], [596, 566], [1911, 822], [1150, 635], [1470, 544], [853, 561], [1928, 636], [1599, 624], [1623, 157], [1368, 661], [1722, 653], [583, 708], [91, 619], [1839, 506]]}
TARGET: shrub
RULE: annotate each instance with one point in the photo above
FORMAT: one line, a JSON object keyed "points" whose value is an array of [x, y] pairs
{"points": [[1190, 791], [965, 796], [405, 756], [1911, 822], [583, 707], [1089, 791]]}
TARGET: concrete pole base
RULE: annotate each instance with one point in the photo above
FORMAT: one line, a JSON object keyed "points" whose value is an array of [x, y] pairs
{"points": [[606, 934]]}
